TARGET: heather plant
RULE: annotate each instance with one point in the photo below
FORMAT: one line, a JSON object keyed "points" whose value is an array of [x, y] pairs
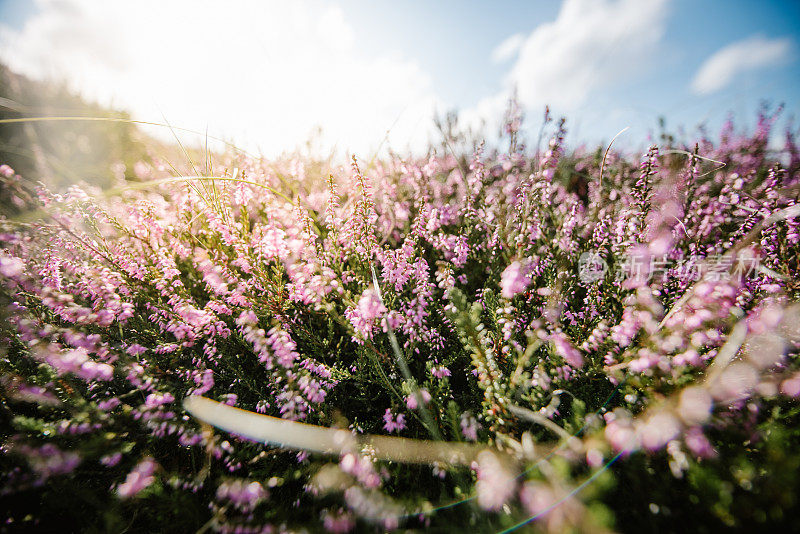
{"points": [[562, 340]]}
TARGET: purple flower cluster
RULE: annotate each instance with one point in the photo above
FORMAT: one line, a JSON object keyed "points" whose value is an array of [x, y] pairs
{"points": [[242, 494], [436, 297], [138, 479]]}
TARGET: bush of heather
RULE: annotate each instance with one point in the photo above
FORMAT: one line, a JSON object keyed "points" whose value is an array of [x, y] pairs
{"points": [[612, 336]]}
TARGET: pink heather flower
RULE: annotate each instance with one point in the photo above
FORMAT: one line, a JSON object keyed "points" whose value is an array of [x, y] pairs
{"points": [[242, 494], [514, 280], [110, 460], [47, 460], [620, 432], [698, 444], [556, 511], [565, 349], [68, 362], [391, 424], [411, 400], [496, 483], [594, 458], [18, 390], [469, 426], [138, 479], [362, 468], [135, 349], [77, 361], [440, 371], [154, 400], [11, 266], [658, 430], [537, 498], [461, 251], [109, 404], [791, 386], [96, 371], [6, 171], [339, 522], [283, 347], [229, 399], [363, 317]]}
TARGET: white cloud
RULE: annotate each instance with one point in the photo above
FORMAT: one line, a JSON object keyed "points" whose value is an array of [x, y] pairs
{"points": [[264, 74], [508, 48], [590, 45], [750, 54]]}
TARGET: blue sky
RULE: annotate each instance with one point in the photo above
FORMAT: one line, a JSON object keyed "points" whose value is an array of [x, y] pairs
{"points": [[453, 40], [265, 74]]}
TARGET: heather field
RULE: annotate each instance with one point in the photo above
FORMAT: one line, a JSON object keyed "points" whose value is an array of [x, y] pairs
{"points": [[495, 337], [350, 266]]}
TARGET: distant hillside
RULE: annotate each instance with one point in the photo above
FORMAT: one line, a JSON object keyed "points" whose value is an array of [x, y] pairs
{"points": [[63, 152]]}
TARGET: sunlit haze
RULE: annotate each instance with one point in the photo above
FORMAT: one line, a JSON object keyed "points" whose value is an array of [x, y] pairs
{"points": [[269, 74]]}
